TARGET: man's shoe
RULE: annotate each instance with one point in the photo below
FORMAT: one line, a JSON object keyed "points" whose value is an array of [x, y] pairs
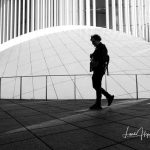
{"points": [[110, 100], [95, 107]]}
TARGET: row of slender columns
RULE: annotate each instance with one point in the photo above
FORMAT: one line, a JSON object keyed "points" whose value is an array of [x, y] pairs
{"points": [[131, 16], [18, 17]]}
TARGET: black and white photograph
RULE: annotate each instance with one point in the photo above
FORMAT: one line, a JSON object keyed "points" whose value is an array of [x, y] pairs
{"points": [[74, 74]]}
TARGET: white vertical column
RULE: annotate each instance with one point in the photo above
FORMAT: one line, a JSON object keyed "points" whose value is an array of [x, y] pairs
{"points": [[88, 13], [142, 16], [32, 14], [11, 20], [139, 18], [28, 15], [8, 20], [77, 12], [1, 11], [127, 18], [23, 18], [15, 19], [81, 12], [4, 21], [114, 15], [120, 15], [74, 12], [149, 20], [37, 14], [43, 9], [145, 21], [19, 17], [146, 17], [133, 17], [0, 20], [61, 12], [67, 11], [94, 12], [64, 12], [48, 11], [107, 13], [52, 13], [71, 12], [41, 14], [46, 21], [55, 11]]}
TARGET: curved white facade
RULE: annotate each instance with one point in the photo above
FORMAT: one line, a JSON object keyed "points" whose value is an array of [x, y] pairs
{"points": [[65, 51], [18, 17]]}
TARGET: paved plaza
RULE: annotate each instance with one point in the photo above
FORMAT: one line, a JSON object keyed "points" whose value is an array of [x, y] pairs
{"points": [[70, 125]]}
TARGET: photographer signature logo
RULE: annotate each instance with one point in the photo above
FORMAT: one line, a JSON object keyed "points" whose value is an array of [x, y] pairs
{"points": [[141, 133]]}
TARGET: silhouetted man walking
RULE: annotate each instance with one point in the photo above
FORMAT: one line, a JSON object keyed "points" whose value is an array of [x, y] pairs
{"points": [[99, 63]]}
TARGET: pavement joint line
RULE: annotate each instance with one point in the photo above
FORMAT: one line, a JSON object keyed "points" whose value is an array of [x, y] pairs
{"points": [[84, 114], [40, 111], [126, 144], [17, 141], [133, 115], [19, 130], [49, 106], [31, 132], [81, 128], [117, 121], [128, 125], [77, 128], [61, 132], [117, 144]]}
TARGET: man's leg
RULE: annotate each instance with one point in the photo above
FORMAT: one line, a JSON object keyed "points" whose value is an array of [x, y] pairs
{"points": [[98, 96], [109, 97], [96, 79], [97, 104], [105, 93]]}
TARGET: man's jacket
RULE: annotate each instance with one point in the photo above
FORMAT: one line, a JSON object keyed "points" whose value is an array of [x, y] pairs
{"points": [[99, 58]]}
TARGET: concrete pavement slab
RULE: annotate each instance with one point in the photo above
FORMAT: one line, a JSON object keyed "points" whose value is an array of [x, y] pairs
{"points": [[71, 125], [31, 144], [77, 139], [113, 131], [117, 147]]}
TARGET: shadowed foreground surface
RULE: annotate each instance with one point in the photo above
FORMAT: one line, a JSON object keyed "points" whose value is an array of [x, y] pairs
{"points": [[69, 125]]}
